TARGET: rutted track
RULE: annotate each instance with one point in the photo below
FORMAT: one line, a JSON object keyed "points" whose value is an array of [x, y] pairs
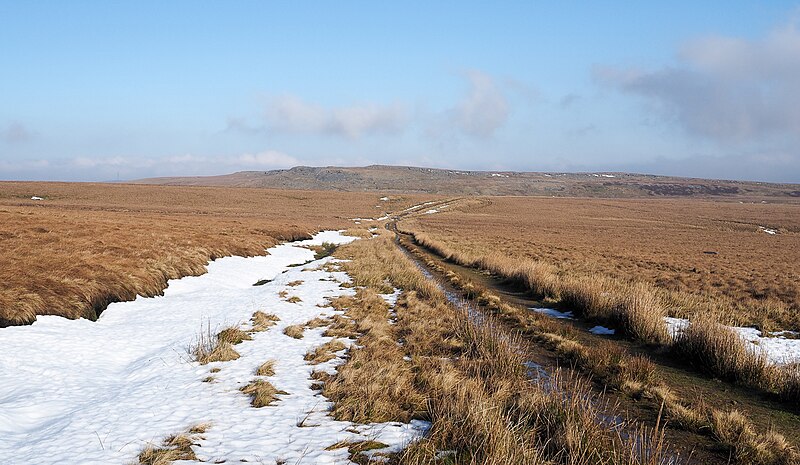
{"points": [[764, 412]]}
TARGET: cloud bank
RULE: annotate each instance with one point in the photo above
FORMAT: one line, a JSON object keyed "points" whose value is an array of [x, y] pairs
{"points": [[131, 167], [729, 90], [484, 109], [290, 113]]}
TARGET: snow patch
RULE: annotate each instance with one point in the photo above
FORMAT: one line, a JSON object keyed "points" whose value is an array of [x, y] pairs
{"points": [[553, 313], [768, 230], [602, 330], [384, 199], [431, 211], [36, 198], [76, 391], [415, 207]]}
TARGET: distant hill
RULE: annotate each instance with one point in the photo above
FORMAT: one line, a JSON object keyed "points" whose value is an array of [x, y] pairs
{"points": [[404, 179]]}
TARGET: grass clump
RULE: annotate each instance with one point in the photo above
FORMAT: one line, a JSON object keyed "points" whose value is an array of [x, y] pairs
{"points": [[261, 392], [735, 432], [173, 448], [317, 322], [294, 331], [262, 321], [208, 348], [233, 336], [266, 369], [714, 347], [294, 299], [325, 352]]}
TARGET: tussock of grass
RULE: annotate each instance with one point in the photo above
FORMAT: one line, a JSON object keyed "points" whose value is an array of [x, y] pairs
{"points": [[341, 327], [325, 352], [355, 447], [233, 336], [173, 448], [719, 350], [294, 331], [208, 348], [735, 431], [261, 392], [317, 322], [262, 321], [266, 369], [295, 283], [641, 315], [788, 381], [294, 299]]}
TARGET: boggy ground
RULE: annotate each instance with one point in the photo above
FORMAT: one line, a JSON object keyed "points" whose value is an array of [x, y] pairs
{"points": [[86, 245], [712, 250], [644, 383], [421, 356]]}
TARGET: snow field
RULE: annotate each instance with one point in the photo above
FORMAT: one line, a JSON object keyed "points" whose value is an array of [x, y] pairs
{"points": [[81, 392]]}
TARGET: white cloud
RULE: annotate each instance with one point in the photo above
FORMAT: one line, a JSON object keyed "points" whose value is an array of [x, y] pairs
{"points": [[268, 159], [289, 113], [132, 167], [484, 108], [730, 90]]}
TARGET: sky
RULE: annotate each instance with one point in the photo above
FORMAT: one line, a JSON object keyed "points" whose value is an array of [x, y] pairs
{"points": [[107, 90]]}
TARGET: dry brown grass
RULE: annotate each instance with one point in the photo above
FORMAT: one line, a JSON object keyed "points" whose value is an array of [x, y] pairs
{"points": [[659, 242], [266, 369], [636, 376], [375, 384], [262, 321], [261, 392], [210, 348], [735, 431], [317, 322], [325, 352], [87, 245], [481, 404], [719, 350], [294, 331], [233, 336], [173, 448], [638, 309]]}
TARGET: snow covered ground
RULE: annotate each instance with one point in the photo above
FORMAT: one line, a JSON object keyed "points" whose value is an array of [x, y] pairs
{"points": [[82, 392], [553, 313]]}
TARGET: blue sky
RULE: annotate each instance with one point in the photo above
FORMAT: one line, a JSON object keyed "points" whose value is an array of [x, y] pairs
{"points": [[100, 90]]}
